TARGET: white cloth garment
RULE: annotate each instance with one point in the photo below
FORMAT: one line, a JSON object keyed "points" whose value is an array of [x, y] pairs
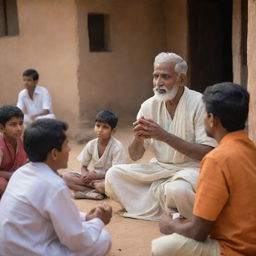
{"points": [[38, 217], [41, 100], [178, 245], [114, 154], [143, 189]]}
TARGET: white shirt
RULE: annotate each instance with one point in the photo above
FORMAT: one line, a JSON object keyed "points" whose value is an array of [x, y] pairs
{"points": [[113, 154], [38, 217], [41, 100]]}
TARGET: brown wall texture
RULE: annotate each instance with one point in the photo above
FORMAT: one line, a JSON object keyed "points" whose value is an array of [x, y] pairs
{"points": [[251, 66], [121, 79], [176, 27]]}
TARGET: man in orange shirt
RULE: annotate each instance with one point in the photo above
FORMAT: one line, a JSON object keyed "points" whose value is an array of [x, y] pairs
{"points": [[224, 219]]}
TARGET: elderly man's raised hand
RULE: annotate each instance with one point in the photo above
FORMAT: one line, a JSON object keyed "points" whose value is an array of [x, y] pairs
{"points": [[147, 128], [138, 130]]}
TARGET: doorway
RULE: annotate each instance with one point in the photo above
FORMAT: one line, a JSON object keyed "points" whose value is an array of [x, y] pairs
{"points": [[210, 42]]}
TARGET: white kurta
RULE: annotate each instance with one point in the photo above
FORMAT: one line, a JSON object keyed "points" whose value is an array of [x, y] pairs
{"points": [[113, 154], [140, 188], [41, 101], [38, 217]]}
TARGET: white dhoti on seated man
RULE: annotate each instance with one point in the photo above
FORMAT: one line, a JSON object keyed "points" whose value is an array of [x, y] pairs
{"points": [[171, 124], [35, 100]]}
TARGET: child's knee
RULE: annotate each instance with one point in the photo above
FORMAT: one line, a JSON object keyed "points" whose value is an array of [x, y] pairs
{"points": [[68, 178]]}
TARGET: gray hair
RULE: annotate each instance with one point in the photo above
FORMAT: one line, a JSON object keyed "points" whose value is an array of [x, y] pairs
{"points": [[181, 66]]}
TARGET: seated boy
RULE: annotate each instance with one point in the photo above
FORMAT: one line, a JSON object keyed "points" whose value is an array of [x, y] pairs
{"points": [[104, 152], [225, 198], [38, 215], [35, 100], [12, 154]]}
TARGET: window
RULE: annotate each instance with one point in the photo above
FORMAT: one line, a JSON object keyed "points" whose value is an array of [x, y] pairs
{"points": [[8, 18], [98, 30]]}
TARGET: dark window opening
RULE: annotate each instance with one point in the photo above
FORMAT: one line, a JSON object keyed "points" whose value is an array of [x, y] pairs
{"points": [[98, 30], [9, 25]]}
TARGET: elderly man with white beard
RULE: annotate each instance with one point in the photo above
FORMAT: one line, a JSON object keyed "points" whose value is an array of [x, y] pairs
{"points": [[171, 124]]}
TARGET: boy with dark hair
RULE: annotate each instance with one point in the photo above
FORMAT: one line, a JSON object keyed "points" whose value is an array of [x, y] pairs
{"points": [[38, 216], [224, 206], [12, 154], [104, 152], [35, 100]]}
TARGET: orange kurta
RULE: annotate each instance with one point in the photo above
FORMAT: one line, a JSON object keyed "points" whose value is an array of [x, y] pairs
{"points": [[226, 194]]}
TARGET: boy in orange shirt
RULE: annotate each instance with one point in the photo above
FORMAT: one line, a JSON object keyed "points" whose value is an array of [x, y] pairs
{"points": [[224, 219], [12, 154]]}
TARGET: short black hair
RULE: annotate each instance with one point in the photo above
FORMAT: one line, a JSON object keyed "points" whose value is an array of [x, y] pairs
{"points": [[42, 136], [9, 111], [106, 116], [32, 73], [229, 102]]}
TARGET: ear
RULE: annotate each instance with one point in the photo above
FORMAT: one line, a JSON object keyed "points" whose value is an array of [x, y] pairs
{"points": [[211, 120], [113, 131], [54, 154], [182, 79], [217, 122], [2, 128], [214, 121]]}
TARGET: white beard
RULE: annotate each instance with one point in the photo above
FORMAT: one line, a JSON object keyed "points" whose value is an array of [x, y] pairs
{"points": [[168, 95]]}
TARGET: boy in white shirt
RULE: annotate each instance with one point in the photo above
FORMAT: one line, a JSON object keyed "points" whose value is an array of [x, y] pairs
{"points": [[104, 152], [38, 215], [35, 100]]}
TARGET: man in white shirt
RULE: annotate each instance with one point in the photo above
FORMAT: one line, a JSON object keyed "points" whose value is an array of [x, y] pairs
{"points": [[35, 100], [38, 216]]}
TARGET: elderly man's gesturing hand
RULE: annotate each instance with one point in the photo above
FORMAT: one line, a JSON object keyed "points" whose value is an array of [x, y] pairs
{"points": [[147, 128]]}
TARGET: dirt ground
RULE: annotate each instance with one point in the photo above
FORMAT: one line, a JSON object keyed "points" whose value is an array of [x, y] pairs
{"points": [[130, 237]]}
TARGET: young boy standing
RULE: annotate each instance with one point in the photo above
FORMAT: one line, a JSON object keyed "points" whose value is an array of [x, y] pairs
{"points": [[12, 154], [104, 152], [38, 215]]}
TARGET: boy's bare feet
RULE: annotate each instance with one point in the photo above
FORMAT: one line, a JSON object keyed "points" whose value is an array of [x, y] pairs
{"points": [[91, 194]]}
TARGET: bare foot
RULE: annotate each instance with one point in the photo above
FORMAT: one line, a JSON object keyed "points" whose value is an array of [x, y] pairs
{"points": [[91, 194]]}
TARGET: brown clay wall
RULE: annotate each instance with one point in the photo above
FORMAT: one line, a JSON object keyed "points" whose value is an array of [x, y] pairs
{"points": [[176, 20], [47, 42], [251, 66], [236, 41], [121, 79]]}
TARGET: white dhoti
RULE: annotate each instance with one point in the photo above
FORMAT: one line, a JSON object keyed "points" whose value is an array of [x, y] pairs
{"points": [[146, 190], [178, 245]]}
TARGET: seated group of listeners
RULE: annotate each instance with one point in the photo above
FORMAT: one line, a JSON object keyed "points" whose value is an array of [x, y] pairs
{"points": [[204, 208]]}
